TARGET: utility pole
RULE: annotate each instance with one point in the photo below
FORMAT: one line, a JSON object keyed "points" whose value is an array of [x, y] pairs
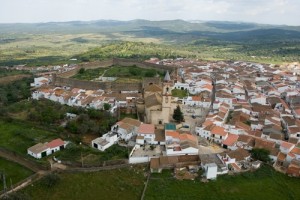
{"points": [[81, 159], [4, 181]]}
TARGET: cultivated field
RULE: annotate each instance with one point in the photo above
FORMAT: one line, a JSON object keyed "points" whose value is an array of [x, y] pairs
{"points": [[264, 183], [124, 184], [13, 172], [128, 183]]}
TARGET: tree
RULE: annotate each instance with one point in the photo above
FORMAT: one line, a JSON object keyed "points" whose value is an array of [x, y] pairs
{"points": [[81, 71], [106, 106], [178, 115], [261, 154]]}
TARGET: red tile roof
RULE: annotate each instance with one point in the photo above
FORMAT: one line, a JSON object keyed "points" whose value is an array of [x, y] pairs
{"points": [[296, 150], [146, 129], [286, 145], [186, 136], [217, 130], [231, 139], [55, 143]]}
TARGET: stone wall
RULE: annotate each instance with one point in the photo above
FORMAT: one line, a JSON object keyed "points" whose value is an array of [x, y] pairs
{"points": [[128, 62], [63, 80], [90, 85]]}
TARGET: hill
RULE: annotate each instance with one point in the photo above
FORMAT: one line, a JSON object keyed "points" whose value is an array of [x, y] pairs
{"points": [[44, 43]]}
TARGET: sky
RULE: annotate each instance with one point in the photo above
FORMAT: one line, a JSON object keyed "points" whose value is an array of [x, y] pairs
{"points": [[259, 11]]}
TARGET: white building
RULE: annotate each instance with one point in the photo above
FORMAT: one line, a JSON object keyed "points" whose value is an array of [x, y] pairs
{"points": [[146, 134], [41, 150], [38, 82], [106, 141], [211, 170]]}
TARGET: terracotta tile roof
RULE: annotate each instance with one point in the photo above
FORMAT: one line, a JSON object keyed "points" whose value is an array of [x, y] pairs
{"points": [[276, 136], [239, 154], [296, 150], [196, 98], [55, 143], [245, 138], [291, 155], [173, 134], [286, 145], [125, 126], [207, 86], [167, 160], [293, 140], [293, 170], [243, 126], [281, 156], [159, 135], [262, 143], [217, 130], [186, 136], [231, 140], [207, 123], [294, 130], [146, 129], [154, 163], [209, 127]]}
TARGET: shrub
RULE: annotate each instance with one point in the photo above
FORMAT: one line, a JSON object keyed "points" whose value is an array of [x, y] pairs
{"points": [[50, 180]]}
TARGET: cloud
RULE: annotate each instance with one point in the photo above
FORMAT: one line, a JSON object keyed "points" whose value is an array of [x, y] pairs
{"points": [[270, 11]]}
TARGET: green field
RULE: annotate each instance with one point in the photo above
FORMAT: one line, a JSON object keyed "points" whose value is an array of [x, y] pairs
{"points": [[13, 172], [124, 184], [264, 183], [131, 72], [179, 93], [91, 156], [89, 74], [128, 183], [18, 137]]}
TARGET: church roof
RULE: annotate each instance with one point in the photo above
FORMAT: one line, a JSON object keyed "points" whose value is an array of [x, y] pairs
{"points": [[167, 77]]}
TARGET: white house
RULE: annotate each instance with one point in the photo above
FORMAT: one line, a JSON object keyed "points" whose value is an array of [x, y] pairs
{"points": [[41, 150], [211, 170], [126, 128], [181, 144], [146, 134], [38, 82], [106, 141]]}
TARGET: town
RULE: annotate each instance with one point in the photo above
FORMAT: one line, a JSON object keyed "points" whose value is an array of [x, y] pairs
{"points": [[216, 116]]}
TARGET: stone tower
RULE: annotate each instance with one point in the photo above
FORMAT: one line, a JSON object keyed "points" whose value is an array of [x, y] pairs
{"points": [[167, 97]]}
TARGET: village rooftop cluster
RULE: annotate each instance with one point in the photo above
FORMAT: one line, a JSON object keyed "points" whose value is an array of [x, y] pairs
{"points": [[230, 109]]}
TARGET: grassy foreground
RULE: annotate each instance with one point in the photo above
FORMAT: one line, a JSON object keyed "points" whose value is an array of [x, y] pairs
{"points": [[123, 184], [18, 137], [264, 183], [13, 172], [128, 183]]}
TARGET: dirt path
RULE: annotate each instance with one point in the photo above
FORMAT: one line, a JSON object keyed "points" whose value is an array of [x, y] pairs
{"points": [[35, 177], [22, 161], [145, 188]]}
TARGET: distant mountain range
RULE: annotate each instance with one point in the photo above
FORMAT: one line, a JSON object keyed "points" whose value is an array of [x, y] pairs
{"points": [[201, 39], [180, 26]]}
